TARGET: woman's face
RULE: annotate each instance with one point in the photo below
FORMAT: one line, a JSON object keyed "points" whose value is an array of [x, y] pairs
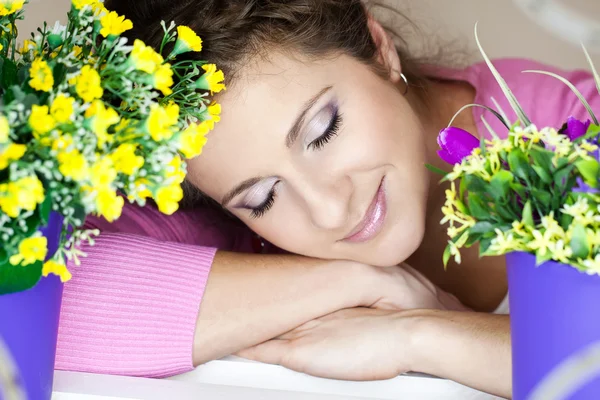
{"points": [[324, 159]]}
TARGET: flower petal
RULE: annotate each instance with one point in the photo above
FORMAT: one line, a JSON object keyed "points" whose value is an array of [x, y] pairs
{"points": [[457, 144], [575, 128]]}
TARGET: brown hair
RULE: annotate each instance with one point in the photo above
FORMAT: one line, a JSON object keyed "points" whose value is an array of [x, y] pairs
{"points": [[235, 31]]}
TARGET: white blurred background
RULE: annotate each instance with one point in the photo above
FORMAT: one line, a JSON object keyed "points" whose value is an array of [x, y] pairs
{"points": [[505, 30]]}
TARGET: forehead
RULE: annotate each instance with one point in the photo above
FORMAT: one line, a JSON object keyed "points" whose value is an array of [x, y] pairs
{"points": [[258, 110]]}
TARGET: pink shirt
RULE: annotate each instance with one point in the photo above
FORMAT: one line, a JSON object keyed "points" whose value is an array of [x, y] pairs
{"points": [[132, 304]]}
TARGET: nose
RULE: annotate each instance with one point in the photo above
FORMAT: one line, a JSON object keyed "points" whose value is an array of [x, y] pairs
{"points": [[327, 200]]}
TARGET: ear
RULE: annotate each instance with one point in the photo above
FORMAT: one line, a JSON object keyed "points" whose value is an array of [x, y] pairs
{"points": [[387, 55]]}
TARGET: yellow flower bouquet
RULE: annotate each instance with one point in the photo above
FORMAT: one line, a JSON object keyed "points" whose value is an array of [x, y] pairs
{"points": [[87, 122]]}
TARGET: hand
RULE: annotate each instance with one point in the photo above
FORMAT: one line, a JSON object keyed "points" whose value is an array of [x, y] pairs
{"points": [[404, 288], [353, 344]]}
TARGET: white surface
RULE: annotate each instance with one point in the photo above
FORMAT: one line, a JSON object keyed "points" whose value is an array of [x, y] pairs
{"points": [[235, 379]]}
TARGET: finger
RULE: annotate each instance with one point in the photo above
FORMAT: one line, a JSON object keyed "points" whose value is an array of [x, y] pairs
{"points": [[271, 352]]}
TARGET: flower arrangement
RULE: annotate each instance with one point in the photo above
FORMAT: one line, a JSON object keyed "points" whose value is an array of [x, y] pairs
{"points": [[87, 122], [535, 191]]}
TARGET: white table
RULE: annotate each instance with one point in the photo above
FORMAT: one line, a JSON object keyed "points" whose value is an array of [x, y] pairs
{"points": [[235, 379]]}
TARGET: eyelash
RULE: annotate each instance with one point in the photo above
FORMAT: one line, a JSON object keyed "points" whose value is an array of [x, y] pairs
{"points": [[331, 132], [266, 205]]}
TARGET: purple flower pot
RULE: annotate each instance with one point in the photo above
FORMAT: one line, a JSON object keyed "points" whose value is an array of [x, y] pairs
{"points": [[29, 325], [553, 315]]}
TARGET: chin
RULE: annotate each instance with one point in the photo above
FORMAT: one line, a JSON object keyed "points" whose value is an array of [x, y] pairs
{"points": [[393, 249]]}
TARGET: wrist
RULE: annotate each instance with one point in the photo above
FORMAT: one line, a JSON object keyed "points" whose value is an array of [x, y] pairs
{"points": [[418, 328]]}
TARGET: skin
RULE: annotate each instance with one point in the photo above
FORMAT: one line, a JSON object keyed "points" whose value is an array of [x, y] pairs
{"points": [[384, 136]]}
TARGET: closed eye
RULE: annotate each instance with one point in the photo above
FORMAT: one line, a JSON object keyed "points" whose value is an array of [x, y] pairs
{"points": [[330, 132]]}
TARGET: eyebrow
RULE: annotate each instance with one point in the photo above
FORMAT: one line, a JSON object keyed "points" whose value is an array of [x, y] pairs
{"points": [[291, 138]]}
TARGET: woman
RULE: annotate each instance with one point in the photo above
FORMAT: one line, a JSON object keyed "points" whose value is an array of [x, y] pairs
{"points": [[325, 131]]}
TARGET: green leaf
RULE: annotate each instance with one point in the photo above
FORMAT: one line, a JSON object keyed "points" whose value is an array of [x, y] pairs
{"points": [[33, 224], [565, 221], [446, 256], [484, 245], [9, 73], [475, 184], [519, 189], [477, 207], [55, 41], [519, 164], [542, 157], [527, 214], [514, 103], [541, 172], [18, 278], [573, 89], [45, 208], [542, 197], [562, 175], [462, 187], [579, 243], [505, 212], [588, 168], [436, 169], [59, 72], [496, 114], [500, 184], [592, 67], [481, 227]]}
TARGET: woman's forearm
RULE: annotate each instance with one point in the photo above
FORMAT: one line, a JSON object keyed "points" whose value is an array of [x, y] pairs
{"points": [[252, 298], [467, 347]]}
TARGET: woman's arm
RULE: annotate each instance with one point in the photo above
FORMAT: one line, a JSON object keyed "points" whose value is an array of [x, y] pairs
{"points": [[366, 344], [470, 348], [252, 298]]}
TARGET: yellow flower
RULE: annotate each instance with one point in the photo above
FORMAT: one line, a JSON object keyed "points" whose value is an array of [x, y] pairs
{"points": [[62, 143], [193, 139], [79, 4], [125, 159], [141, 190], [87, 84], [101, 118], [103, 173], [161, 121], [41, 76], [4, 129], [109, 204], [1, 47], [561, 252], [40, 121], [29, 192], [114, 24], [77, 50], [73, 165], [144, 58], [455, 252], [9, 200], [56, 268], [12, 152], [593, 265], [541, 243], [8, 7], [163, 79], [27, 46], [187, 40], [212, 79], [62, 108], [214, 112], [168, 198], [503, 243], [175, 172], [31, 250]]}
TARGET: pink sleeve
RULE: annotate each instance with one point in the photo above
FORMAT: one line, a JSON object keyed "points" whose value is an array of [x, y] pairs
{"points": [[132, 305]]}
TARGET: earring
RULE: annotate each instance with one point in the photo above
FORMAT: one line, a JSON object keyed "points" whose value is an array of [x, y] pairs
{"points": [[406, 83]]}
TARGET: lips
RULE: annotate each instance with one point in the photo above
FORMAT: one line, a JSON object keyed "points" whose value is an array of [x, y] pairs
{"points": [[373, 220]]}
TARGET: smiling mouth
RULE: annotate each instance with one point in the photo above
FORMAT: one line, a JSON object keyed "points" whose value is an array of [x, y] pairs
{"points": [[373, 220]]}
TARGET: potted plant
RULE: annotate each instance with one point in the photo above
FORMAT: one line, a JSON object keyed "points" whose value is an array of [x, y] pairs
{"points": [[87, 122], [533, 195]]}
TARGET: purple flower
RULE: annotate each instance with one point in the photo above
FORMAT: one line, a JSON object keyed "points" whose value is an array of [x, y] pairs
{"points": [[575, 128], [583, 187], [456, 144]]}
